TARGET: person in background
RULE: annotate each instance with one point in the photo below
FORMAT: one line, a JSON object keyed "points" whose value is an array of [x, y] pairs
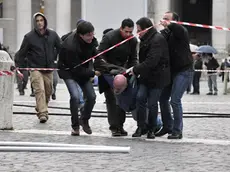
{"points": [[211, 64]]}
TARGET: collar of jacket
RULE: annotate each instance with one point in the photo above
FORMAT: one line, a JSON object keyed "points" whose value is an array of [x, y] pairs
{"points": [[148, 35], [39, 34]]}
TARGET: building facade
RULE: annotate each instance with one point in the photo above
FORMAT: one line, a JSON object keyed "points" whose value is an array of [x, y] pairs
{"points": [[16, 17]]}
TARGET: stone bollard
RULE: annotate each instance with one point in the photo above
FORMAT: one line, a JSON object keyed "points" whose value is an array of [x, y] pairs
{"points": [[6, 92]]}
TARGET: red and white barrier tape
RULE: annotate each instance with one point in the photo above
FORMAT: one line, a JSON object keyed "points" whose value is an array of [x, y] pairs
{"points": [[201, 25], [204, 70], [6, 73]]}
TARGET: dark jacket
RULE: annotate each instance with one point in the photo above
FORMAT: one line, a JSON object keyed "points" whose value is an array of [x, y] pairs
{"points": [[124, 55], [154, 66], [212, 64], [179, 50], [75, 51], [40, 50], [119, 58]]}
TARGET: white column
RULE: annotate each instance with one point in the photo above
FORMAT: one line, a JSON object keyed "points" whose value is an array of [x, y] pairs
{"points": [[50, 13], [160, 7], [24, 18], [63, 16], [221, 39], [6, 93]]}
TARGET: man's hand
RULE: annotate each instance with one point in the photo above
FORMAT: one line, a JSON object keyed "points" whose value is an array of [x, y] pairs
{"points": [[165, 23], [97, 73]]}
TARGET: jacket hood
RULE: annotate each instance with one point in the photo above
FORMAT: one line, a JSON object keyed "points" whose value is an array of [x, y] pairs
{"points": [[34, 21]]}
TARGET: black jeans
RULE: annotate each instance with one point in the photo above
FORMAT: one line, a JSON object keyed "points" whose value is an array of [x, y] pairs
{"points": [[22, 82], [196, 82], [116, 115]]}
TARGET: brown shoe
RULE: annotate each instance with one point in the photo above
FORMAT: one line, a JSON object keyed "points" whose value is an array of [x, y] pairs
{"points": [[75, 132], [85, 126], [43, 119]]}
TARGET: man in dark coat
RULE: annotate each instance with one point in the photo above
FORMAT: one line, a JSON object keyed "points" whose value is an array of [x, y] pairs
{"points": [[181, 76], [153, 75], [38, 47], [122, 57], [78, 47], [211, 64]]}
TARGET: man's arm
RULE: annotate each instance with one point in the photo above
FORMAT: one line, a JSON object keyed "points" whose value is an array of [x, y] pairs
{"points": [[22, 53], [178, 31]]}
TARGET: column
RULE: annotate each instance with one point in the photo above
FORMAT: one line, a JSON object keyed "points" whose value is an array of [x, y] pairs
{"points": [[50, 13], [63, 17], [24, 18], [221, 39], [10, 32], [159, 8]]}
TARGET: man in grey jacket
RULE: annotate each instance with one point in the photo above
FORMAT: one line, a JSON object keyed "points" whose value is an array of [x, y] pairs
{"points": [[38, 47]]}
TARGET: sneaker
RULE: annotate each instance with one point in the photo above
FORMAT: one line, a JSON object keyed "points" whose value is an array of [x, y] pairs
{"points": [[75, 132], [123, 132], [162, 132], [54, 97], [210, 93], [85, 126], [43, 119], [175, 136]]}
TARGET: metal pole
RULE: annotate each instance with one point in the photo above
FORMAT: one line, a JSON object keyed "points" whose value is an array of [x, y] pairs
{"points": [[40, 144], [66, 149]]}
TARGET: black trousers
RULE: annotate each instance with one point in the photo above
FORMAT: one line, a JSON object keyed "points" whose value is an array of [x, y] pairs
{"points": [[196, 82], [116, 115]]}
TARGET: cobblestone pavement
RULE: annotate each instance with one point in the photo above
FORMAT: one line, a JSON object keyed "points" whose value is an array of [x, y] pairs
{"points": [[205, 147]]}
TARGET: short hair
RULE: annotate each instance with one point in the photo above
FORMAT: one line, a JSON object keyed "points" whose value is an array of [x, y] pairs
{"points": [[85, 27], [144, 23], [175, 16], [127, 23], [107, 30]]}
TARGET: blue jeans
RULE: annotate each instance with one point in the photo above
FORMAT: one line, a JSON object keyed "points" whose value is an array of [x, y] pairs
{"points": [[176, 90], [75, 96], [151, 97]]}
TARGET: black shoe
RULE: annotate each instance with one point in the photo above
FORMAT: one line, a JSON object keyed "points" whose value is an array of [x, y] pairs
{"points": [[210, 93], [123, 132], [162, 132], [75, 132], [139, 132], [195, 93], [215, 94], [21, 93], [175, 136], [116, 132], [150, 135], [53, 96], [32, 95], [85, 126]]}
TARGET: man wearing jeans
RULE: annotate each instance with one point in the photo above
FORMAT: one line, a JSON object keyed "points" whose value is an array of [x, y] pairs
{"points": [[78, 47], [181, 76], [153, 75], [38, 47]]}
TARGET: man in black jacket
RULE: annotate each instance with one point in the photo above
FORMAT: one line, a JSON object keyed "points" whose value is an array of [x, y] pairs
{"points": [[38, 47], [123, 56], [78, 47], [154, 74], [181, 76]]}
